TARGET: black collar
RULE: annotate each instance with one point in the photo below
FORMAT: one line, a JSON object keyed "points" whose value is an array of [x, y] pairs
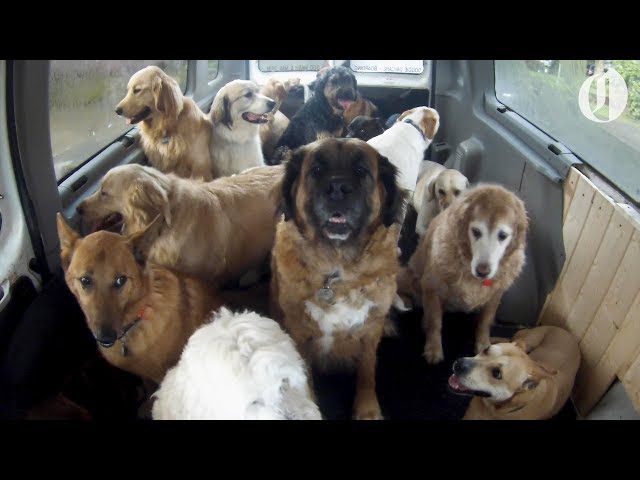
{"points": [[127, 329], [410, 122]]}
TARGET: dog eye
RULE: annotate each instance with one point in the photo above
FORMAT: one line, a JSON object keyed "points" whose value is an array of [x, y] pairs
{"points": [[496, 373], [85, 282], [248, 94], [441, 192], [361, 171], [502, 235], [476, 233], [456, 192], [137, 90], [120, 281], [316, 170]]}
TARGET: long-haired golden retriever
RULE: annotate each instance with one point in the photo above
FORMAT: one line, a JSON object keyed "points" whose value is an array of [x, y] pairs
{"points": [[140, 315], [471, 254], [175, 133], [215, 230]]}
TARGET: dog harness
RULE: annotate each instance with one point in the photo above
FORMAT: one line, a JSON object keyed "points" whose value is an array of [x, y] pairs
{"points": [[410, 122], [126, 329]]}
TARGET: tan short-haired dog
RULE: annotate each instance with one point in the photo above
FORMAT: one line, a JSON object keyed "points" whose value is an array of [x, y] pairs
{"points": [[174, 132], [530, 378]]}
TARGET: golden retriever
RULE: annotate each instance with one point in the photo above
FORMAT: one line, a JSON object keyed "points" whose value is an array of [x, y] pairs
{"points": [[215, 230], [529, 378], [237, 112], [470, 255], [141, 316], [334, 261], [277, 123], [174, 132], [437, 187]]}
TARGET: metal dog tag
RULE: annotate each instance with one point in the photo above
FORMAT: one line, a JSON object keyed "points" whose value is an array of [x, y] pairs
{"points": [[326, 294]]}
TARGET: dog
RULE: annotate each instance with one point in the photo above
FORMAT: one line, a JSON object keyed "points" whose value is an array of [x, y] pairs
{"points": [[238, 366], [217, 230], [471, 254], [437, 187], [405, 142], [237, 112], [174, 132], [361, 107], [334, 261], [364, 128], [322, 115], [529, 378], [277, 123], [141, 314]]}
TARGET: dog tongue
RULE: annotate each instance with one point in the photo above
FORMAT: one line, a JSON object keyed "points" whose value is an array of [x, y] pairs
{"points": [[128, 121], [345, 103], [454, 382]]}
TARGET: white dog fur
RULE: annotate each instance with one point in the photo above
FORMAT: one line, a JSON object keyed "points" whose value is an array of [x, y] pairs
{"points": [[240, 366], [237, 112], [405, 142], [437, 187]]}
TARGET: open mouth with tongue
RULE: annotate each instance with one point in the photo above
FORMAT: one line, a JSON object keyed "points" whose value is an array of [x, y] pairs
{"points": [[344, 103], [456, 386], [253, 118], [112, 222], [337, 227], [139, 117]]}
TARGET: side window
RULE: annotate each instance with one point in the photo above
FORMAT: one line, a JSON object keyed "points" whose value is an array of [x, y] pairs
{"points": [[212, 70], [583, 104], [83, 95]]}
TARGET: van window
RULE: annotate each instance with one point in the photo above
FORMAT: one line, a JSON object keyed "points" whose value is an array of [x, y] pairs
{"points": [[604, 133], [83, 95]]}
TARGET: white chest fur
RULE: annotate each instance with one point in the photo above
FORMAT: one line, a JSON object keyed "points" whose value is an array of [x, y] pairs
{"points": [[341, 316]]}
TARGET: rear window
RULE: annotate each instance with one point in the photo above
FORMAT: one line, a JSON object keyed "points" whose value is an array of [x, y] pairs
{"points": [[582, 104]]}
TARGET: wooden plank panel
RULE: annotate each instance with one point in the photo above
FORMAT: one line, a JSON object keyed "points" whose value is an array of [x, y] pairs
{"points": [[615, 360], [577, 215], [568, 287], [631, 382], [605, 265], [569, 190]]}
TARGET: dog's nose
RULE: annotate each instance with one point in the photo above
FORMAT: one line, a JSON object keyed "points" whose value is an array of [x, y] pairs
{"points": [[106, 337], [119, 111], [271, 104], [80, 209], [483, 269], [338, 189], [462, 365]]}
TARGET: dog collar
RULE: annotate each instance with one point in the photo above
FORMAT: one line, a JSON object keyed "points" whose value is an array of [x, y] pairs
{"points": [[165, 139], [487, 282], [325, 292], [126, 329], [410, 122]]}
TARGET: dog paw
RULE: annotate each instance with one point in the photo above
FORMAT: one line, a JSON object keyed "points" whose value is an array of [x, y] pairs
{"points": [[433, 353]]}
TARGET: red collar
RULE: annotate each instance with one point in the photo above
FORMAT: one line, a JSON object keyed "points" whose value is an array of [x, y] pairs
{"points": [[487, 282]]}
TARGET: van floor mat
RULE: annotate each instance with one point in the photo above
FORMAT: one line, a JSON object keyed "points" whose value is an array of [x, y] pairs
{"points": [[408, 388]]}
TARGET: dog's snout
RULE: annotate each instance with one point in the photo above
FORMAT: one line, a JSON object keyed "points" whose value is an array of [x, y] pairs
{"points": [[347, 94], [119, 111], [271, 104], [338, 188], [106, 337], [483, 269], [462, 366]]}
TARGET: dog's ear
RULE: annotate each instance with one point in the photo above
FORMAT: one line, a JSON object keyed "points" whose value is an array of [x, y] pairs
{"points": [[379, 124], [394, 196], [537, 373], [167, 95], [290, 182], [221, 111], [521, 226], [141, 241], [68, 239], [521, 344], [148, 198], [430, 123], [431, 190]]}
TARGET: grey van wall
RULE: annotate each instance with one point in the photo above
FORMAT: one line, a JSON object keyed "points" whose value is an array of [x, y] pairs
{"points": [[490, 149]]}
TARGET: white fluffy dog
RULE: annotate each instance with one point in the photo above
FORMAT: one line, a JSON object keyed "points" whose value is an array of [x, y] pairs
{"points": [[405, 142], [240, 366], [237, 112]]}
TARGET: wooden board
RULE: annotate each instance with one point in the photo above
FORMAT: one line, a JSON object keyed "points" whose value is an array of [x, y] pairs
{"points": [[631, 383]]}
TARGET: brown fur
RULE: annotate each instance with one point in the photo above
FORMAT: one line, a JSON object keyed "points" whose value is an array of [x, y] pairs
{"points": [[271, 131], [173, 304], [439, 271], [547, 358], [215, 230], [300, 263], [429, 123], [174, 119], [361, 106]]}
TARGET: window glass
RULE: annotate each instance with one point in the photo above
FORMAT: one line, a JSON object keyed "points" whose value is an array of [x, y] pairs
{"points": [[212, 70], [591, 106], [83, 95], [415, 67], [291, 65]]}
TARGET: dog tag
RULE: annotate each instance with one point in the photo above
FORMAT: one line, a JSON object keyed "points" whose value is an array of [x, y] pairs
{"points": [[326, 294]]}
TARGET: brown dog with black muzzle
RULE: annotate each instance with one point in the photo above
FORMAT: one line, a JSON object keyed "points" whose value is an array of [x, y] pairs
{"points": [[334, 261], [141, 316], [530, 378]]}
